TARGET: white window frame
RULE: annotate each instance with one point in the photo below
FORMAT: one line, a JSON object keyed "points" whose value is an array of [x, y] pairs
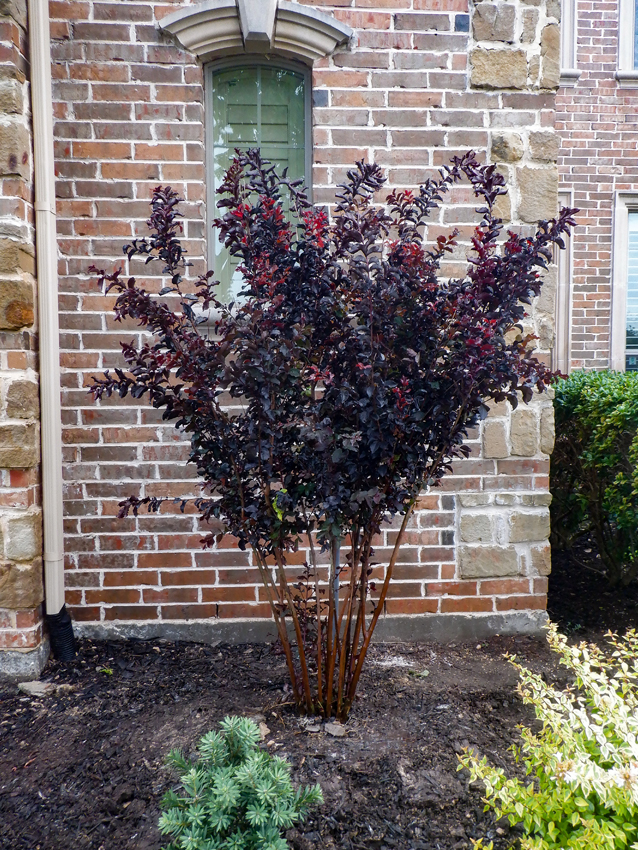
{"points": [[626, 202], [561, 355], [569, 72], [627, 74]]}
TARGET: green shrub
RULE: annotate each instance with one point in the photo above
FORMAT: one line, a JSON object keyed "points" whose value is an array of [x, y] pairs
{"points": [[236, 796], [594, 470], [583, 794]]}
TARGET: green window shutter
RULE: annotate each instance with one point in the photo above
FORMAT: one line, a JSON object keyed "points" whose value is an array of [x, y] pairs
{"points": [[255, 106], [631, 351]]}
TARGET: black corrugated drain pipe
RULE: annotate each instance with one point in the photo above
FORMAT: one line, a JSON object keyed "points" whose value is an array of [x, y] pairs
{"points": [[61, 635]]}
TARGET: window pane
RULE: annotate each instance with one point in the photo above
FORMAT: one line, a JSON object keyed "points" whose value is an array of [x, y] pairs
{"points": [[258, 106], [631, 356], [636, 36]]}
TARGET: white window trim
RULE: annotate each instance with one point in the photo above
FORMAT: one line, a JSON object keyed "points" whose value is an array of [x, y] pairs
{"points": [[569, 72], [626, 74], [625, 202], [561, 359]]}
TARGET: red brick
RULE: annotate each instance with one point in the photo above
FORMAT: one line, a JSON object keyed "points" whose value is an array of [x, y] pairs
{"points": [[465, 605]]}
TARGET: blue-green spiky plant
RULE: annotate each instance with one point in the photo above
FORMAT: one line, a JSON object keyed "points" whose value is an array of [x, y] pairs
{"points": [[235, 796]]}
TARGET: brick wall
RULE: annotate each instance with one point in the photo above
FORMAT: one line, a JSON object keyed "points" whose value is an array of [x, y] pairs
{"points": [[129, 115], [21, 590], [598, 124]]}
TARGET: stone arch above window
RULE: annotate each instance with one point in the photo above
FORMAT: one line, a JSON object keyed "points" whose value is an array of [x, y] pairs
{"points": [[217, 28]]}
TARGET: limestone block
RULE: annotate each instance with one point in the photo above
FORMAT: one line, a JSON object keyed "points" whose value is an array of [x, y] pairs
{"points": [[550, 56], [543, 145], [539, 192], [506, 147], [530, 22], [552, 9], [498, 69], [16, 304], [9, 256], [21, 585], [503, 208], [495, 439], [547, 429], [15, 147], [492, 22], [546, 301], [23, 540], [23, 401], [474, 500], [18, 446], [537, 500], [541, 559], [16, 9], [498, 408], [487, 561], [545, 333], [11, 98], [505, 499], [476, 528], [534, 69], [523, 432], [526, 527]]}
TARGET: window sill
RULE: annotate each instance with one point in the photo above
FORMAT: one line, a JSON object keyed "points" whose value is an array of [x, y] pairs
{"points": [[569, 76], [627, 79]]}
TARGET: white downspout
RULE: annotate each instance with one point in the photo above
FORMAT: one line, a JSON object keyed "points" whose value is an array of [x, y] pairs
{"points": [[47, 271]]}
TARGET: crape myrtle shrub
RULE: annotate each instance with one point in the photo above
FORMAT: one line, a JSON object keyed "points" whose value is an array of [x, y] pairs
{"points": [[594, 472], [358, 369]]}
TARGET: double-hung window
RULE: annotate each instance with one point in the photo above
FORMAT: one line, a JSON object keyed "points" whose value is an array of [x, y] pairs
{"points": [[627, 73], [254, 104]]}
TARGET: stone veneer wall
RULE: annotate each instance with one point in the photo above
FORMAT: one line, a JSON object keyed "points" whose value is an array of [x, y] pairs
{"points": [[424, 79], [597, 121], [21, 590]]}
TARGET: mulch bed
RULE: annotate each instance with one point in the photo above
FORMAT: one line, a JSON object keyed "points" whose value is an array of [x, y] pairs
{"points": [[84, 767]]}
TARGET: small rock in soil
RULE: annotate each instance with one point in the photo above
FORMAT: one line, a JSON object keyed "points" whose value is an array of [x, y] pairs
{"points": [[37, 688], [336, 730]]}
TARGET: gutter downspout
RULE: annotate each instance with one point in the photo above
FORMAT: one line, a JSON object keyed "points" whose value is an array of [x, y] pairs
{"points": [[49, 328]]}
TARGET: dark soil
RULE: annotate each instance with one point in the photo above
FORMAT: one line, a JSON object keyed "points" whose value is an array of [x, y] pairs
{"points": [[84, 767]]}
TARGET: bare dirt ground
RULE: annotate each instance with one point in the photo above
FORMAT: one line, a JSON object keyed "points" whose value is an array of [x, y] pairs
{"points": [[84, 766]]}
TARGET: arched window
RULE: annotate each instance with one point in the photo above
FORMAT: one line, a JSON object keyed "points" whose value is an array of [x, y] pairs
{"points": [[258, 86], [255, 103]]}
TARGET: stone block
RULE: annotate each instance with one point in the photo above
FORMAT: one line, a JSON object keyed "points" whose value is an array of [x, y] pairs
{"points": [[15, 147], [23, 401], [552, 9], [550, 57], [476, 528], [530, 22], [503, 208], [537, 500], [21, 585], [506, 147], [545, 334], [543, 145], [539, 192], [487, 561], [498, 408], [474, 500], [494, 22], [548, 432], [525, 528], [11, 98], [16, 304], [541, 559], [524, 432], [546, 301], [9, 256], [498, 69], [16, 9], [18, 446], [495, 439], [23, 538]]}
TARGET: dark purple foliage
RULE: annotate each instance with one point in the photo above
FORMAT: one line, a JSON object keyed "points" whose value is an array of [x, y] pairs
{"points": [[359, 370]]}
